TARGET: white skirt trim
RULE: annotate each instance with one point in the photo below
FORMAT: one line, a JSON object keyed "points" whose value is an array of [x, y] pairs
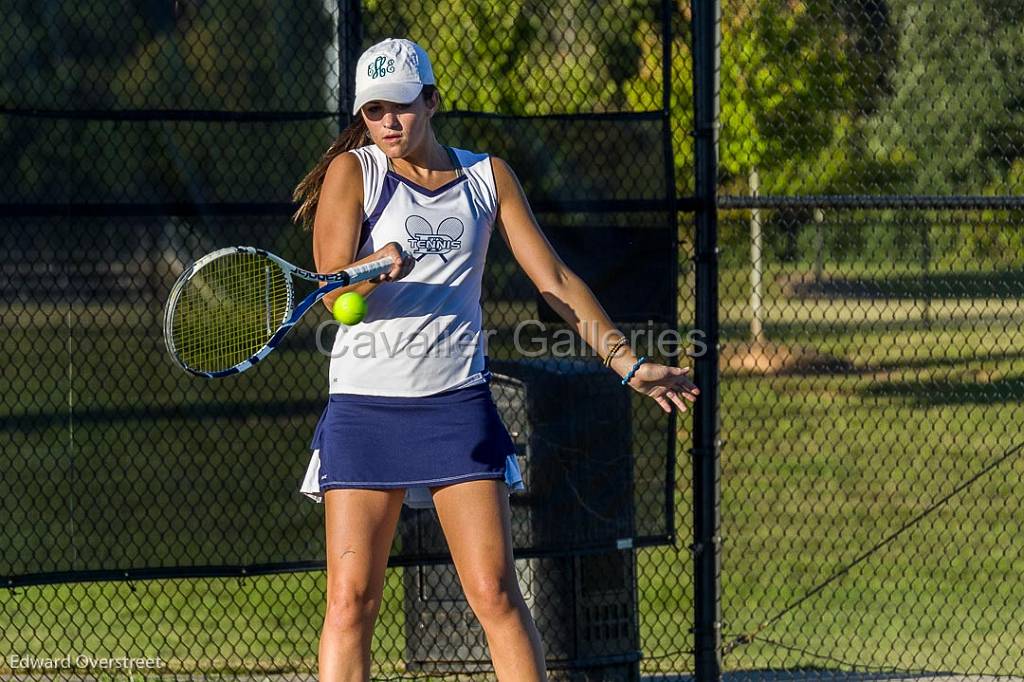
{"points": [[416, 497]]}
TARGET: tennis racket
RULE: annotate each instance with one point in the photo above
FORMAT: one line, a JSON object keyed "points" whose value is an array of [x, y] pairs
{"points": [[230, 308]]}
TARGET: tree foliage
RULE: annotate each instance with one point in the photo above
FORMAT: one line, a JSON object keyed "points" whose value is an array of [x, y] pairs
{"points": [[209, 56], [954, 122], [831, 96]]}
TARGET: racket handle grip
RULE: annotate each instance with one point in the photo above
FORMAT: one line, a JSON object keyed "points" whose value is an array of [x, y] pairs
{"points": [[370, 270]]}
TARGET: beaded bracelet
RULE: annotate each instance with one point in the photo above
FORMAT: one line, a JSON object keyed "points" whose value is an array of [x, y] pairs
{"points": [[632, 371], [615, 349]]}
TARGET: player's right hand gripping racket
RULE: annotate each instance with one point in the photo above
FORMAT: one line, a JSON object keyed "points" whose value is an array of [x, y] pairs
{"points": [[233, 306]]}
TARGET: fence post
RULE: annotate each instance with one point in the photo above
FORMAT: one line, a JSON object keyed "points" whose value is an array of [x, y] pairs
{"points": [[668, 13], [706, 464], [333, 75], [926, 262], [756, 264], [819, 244], [350, 44]]}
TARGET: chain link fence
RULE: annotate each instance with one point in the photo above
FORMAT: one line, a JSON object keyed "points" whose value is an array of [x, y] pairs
{"points": [[871, 286], [871, 273], [154, 516]]}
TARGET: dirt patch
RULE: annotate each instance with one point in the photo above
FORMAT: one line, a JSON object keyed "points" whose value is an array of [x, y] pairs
{"points": [[746, 358]]}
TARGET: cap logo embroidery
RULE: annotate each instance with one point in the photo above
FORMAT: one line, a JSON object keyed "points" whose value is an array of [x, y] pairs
{"points": [[380, 67]]}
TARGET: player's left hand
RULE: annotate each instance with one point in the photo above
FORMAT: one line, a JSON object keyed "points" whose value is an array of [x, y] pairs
{"points": [[667, 385]]}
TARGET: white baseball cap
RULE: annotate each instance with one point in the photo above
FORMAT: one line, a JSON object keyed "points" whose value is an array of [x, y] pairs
{"points": [[393, 70]]}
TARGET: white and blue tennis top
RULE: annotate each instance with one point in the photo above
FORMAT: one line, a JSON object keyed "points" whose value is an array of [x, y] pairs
{"points": [[422, 334]]}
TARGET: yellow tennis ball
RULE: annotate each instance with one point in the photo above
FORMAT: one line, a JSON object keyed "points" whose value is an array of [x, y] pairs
{"points": [[349, 308]]}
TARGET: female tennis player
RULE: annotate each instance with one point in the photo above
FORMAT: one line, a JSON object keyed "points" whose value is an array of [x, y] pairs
{"points": [[410, 417]]}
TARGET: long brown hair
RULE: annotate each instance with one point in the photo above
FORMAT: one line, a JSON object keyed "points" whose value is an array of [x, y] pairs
{"points": [[307, 192]]}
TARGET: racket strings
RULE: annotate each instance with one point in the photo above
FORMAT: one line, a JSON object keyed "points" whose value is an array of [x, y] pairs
{"points": [[228, 311]]}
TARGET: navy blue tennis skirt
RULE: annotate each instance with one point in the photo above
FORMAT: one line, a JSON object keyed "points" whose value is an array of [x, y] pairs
{"points": [[412, 442]]}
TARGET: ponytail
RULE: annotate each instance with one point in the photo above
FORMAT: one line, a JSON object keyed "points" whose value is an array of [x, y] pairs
{"points": [[307, 192]]}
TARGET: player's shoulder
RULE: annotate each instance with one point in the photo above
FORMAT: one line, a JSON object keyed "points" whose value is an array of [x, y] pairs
{"points": [[345, 165], [500, 165], [344, 177], [499, 168], [504, 176], [469, 158]]}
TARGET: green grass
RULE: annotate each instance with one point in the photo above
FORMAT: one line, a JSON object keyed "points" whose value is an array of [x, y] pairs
{"points": [[820, 469], [812, 487], [817, 470]]}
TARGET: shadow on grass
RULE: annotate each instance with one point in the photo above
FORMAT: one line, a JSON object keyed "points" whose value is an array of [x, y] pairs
{"points": [[784, 332], [937, 393], [1005, 284], [934, 363], [239, 410], [825, 675], [806, 360]]}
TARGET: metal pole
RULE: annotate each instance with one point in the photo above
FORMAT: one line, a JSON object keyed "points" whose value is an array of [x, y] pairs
{"points": [[331, 61], [350, 46], [706, 463], [926, 259], [819, 245], [668, 9], [756, 265]]}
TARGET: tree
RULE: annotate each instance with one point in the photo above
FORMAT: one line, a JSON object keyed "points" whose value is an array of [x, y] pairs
{"points": [[220, 56], [956, 105], [525, 57], [793, 81]]}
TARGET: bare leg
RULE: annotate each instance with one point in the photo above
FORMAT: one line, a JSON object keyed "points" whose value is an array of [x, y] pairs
{"points": [[476, 520], [360, 526]]}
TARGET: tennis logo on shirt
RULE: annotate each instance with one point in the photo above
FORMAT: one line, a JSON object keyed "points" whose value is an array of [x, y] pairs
{"points": [[430, 241]]}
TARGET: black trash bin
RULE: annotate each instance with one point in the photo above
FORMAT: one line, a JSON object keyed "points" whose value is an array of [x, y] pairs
{"points": [[571, 424]]}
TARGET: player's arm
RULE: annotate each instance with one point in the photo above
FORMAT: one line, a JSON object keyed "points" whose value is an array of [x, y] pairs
{"points": [[564, 291], [336, 226], [570, 297]]}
